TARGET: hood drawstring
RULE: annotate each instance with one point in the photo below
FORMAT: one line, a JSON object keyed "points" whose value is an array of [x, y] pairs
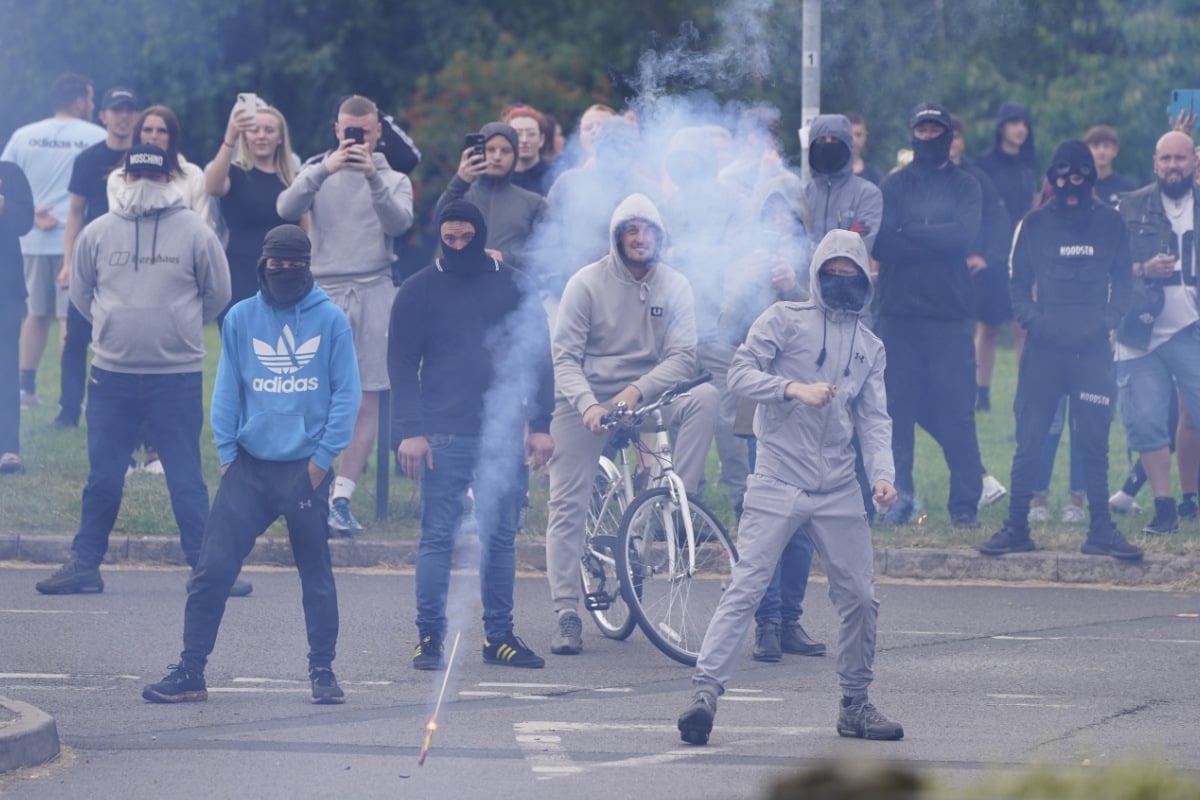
{"points": [[824, 331], [154, 241], [643, 291], [850, 355], [137, 241]]}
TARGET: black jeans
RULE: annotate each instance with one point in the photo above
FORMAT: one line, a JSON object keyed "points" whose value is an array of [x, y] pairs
{"points": [[930, 381], [1088, 380], [12, 314], [73, 378], [253, 494]]}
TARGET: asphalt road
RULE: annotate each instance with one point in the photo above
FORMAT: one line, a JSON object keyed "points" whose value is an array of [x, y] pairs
{"points": [[982, 677]]}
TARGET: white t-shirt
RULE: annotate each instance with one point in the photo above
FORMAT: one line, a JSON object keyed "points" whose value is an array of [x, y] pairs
{"points": [[1179, 300], [45, 151]]}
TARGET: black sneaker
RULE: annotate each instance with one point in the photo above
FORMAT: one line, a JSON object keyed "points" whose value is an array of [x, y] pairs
{"points": [[325, 689], [428, 653], [696, 721], [858, 719], [766, 643], [1007, 540], [965, 521], [1188, 509], [795, 640], [73, 577], [182, 685], [510, 651], [1166, 518], [569, 641], [1110, 542]]}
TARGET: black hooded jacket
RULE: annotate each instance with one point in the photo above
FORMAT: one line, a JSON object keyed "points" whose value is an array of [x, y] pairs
{"points": [[468, 341], [15, 222], [1012, 175], [931, 221]]}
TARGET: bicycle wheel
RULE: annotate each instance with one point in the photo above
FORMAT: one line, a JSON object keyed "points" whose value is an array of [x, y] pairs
{"points": [[601, 588], [672, 600]]}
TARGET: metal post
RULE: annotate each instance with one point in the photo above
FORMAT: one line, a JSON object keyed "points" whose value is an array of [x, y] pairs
{"points": [[383, 467], [810, 77]]}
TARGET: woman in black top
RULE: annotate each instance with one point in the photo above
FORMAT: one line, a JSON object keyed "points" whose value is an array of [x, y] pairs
{"points": [[253, 165]]}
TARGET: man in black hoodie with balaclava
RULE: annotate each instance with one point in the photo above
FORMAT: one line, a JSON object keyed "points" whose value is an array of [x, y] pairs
{"points": [[1076, 251], [931, 218], [470, 370], [485, 181]]}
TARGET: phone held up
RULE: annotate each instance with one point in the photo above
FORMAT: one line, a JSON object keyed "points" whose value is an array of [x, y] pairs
{"points": [[247, 102], [475, 142], [1185, 101], [356, 134]]}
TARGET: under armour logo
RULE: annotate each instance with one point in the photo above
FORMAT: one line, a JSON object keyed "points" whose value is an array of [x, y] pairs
{"points": [[306, 503], [860, 358]]}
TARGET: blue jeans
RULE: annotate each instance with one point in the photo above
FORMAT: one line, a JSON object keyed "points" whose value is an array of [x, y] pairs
{"points": [[1076, 485], [172, 408], [1145, 387], [458, 463]]}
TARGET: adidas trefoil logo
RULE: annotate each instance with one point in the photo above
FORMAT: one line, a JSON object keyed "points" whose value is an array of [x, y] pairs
{"points": [[285, 358]]}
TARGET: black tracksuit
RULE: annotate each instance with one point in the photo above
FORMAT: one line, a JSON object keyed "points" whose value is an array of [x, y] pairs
{"points": [[931, 220], [1079, 260]]}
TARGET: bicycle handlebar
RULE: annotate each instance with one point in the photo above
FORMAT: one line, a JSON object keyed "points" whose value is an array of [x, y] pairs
{"points": [[614, 417]]}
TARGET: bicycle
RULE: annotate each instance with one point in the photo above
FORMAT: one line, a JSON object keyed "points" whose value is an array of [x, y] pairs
{"points": [[673, 557], [612, 491]]}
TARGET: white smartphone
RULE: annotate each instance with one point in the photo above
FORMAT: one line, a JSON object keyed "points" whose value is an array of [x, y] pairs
{"points": [[247, 101]]}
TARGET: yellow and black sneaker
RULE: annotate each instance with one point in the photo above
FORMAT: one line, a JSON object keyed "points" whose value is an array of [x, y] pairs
{"points": [[510, 651], [428, 653]]}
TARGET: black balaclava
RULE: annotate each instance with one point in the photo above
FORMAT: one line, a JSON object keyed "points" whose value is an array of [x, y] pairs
{"points": [[1073, 157], [284, 287], [827, 158], [931, 153], [471, 258], [844, 292]]}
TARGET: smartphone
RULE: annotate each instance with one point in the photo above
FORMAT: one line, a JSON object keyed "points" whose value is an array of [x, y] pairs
{"points": [[356, 134], [1183, 100], [247, 101], [475, 142]]}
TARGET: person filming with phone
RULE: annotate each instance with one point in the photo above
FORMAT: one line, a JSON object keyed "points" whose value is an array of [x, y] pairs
{"points": [[358, 205]]}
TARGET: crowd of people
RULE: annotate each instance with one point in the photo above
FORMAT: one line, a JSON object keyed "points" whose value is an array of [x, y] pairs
{"points": [[836, 308]]}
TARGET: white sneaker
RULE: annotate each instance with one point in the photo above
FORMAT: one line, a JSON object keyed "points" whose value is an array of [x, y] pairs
{"points": [[993, 490], [1121, 503], [1073, 515], [1039, 514]]}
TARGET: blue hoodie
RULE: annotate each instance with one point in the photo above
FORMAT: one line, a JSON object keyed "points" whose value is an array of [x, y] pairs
{"points": [[287, 383]]}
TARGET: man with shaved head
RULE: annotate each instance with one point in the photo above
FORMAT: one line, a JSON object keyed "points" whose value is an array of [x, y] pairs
{"points": [[1158, 343]]}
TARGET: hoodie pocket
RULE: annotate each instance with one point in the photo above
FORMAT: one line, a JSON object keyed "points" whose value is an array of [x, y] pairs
{"points": [[277, 436], [151, 337]]}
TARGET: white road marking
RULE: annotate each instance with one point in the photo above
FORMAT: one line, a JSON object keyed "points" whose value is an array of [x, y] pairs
{"points": [[622, 689], [528, 685], [48, 611], [743, 691], [1093, 639], [923, 633], [62, 676], [736, 699], [1016, 696]]}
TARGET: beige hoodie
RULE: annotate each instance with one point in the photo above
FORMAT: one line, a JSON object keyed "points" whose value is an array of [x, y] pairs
{"points": [[613, 331]]}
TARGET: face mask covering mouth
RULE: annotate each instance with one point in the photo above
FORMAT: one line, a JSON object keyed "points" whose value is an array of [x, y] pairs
{"points": [[142, 197], [828, 157], [284, 287], [932, 152], [844, 292]]}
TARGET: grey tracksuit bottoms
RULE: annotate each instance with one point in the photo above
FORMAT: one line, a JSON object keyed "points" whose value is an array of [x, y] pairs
{"points": [[573, 473], [838, 527]]}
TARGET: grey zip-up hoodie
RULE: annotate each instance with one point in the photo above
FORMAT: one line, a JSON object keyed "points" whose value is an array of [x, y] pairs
{"points": [[354, 219], [613, 331], [148, 285], [841, 199], [807, 447]]}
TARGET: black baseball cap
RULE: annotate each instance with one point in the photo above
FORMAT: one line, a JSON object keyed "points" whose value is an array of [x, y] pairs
{"points": [[119, 96], [931, 112], [147, 158]]}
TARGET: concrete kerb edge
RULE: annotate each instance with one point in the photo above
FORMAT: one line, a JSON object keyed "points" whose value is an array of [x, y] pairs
{"points": [[895, 562], [29, 740]]}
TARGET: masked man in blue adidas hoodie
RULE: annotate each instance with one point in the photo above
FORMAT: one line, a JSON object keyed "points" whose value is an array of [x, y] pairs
{"points": [[283, 407], [816, 372]]}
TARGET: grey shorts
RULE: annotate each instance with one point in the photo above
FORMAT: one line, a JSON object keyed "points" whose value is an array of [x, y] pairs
{"points": [[368, 306], [41, 282]]}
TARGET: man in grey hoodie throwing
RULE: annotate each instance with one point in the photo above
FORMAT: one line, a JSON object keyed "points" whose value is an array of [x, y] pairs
{"points": [[148, 275], [816, 372], [625, 333]]}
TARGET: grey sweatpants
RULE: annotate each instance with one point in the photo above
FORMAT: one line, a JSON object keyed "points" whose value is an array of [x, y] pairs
{"points": [[838, 527], [573, 472]]}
